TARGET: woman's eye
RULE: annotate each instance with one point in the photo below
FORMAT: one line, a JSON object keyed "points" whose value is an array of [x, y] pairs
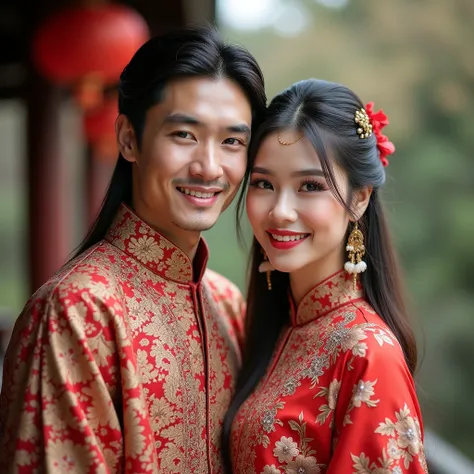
{"points": [[261, 184], [312, 186]]}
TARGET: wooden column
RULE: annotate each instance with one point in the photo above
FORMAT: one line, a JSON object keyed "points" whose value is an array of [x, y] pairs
{"points": [[49, 209], [48, 198]]}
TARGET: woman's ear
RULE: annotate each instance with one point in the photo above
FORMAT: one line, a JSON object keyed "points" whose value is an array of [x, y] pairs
{"points": [[360, 201], [126, 139]]}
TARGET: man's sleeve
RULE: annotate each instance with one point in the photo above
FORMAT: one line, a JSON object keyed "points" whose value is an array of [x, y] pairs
{"points": [[56, 411]]}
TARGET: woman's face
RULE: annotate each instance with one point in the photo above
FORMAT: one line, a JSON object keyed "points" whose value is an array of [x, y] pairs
{"points": [[294, 214]]}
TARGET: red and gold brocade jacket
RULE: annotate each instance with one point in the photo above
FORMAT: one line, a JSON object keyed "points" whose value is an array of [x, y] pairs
{"points": [[122, 362], [337, 397]]}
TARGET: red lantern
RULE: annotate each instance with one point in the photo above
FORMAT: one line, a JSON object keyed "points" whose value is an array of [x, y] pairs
{"points": [[88, 44], [99, 130]]}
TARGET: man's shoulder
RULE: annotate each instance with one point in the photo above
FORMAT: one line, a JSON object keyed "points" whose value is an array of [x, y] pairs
{"points": [[86, 285], [84, 274], [222, 286], [228, 300]]}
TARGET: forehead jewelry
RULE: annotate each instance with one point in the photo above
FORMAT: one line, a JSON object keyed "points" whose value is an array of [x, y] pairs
{"points": [[284, 142]]}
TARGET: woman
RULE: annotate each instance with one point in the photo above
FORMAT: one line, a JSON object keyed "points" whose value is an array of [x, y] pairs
{"points": [[326, 385]]}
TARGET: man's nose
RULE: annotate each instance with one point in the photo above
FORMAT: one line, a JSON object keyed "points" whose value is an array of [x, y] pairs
{"points": [[207, 163]]}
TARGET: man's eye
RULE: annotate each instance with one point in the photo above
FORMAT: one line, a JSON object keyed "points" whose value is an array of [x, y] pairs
{"points": [[233, 141], [182, 134]]}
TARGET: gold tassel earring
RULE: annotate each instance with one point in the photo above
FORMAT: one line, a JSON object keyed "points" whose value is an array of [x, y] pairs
{"points": [[266, 267], [356, 250]]}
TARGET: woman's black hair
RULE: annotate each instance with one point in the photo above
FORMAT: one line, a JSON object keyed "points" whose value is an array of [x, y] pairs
{"points": [[324, 112]]}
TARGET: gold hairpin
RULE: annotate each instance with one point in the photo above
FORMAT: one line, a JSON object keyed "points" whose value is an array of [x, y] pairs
{"points": [[283, 142], [364, 126]]}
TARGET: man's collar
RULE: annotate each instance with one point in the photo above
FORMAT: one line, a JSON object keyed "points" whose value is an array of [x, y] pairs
{"points": [[137, 239]]}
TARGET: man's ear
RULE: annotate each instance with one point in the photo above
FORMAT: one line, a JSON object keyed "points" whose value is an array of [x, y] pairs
{"points": [[126, 138], [360, 201]]}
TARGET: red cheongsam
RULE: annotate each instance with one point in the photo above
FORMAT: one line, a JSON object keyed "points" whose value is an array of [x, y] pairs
{"points": [[337, 397]]}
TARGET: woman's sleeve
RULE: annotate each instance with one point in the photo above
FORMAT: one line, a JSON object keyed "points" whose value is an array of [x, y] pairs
{"points": [[378, 421]]}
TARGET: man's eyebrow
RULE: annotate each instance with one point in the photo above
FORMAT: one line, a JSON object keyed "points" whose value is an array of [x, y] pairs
{"points": [[190, 120], [182, 118], [242, 128]]}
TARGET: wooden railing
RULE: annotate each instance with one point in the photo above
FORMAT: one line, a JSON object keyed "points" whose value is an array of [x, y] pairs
{"points": [[444, 458]]}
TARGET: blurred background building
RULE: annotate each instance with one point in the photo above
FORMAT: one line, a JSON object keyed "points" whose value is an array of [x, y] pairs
{"points": [[411, 58]]}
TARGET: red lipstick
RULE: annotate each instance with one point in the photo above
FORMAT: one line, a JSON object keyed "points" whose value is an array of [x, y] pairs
{"points": [[287, 243]]}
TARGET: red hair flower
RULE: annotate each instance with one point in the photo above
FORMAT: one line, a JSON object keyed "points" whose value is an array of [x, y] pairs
{"points": [[379, 120]]}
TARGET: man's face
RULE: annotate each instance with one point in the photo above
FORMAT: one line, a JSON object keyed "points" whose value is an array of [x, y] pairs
{"points": [[192, 157]]}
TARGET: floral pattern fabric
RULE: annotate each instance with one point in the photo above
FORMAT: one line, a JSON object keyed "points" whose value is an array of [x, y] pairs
{"points": [[336, 398], [124, 362]]}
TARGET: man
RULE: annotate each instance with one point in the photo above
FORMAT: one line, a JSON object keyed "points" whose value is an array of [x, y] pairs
{"points": [[125, 360]]}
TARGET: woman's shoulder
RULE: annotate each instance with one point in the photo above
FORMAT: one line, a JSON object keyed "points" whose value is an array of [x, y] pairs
{"points": [[361, 314], [363, 334]]}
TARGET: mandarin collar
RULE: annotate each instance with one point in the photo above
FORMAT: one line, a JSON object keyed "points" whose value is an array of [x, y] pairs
{"points": [[137, 239], [328, 295]]}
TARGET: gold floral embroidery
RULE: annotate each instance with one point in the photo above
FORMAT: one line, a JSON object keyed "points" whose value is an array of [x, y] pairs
{"points": [[222, 345], [327, 409], [407, 432], [303, 465], [295, 458], [285, 449], [269, 418], [326, 297], [361, 393], [345, 340], [148, 370], [140, 241], [290, 386], [162, 414], [145, 249], [118, 357], [173, 458], [66, 456], [317, 368], [382, 337], [271, 470], [269, 421], [404, 444], [362, 465], [176, 268]]}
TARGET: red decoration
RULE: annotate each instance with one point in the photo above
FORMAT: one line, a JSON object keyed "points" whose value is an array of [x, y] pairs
{"points": [[99, 130], [89, 44], [379, 120]]}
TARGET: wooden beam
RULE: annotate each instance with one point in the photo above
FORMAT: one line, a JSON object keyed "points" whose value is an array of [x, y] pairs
{"points": [[160, 16], [14, 50]]}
